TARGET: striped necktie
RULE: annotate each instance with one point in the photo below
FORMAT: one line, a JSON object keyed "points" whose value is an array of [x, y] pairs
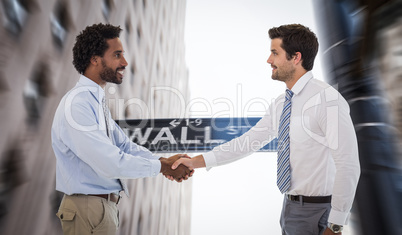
{"points": [[283, 171], [123, 182]]}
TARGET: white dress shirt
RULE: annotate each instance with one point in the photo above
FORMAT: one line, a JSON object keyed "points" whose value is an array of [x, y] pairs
{"points": [[88, 161], [323, 147]]}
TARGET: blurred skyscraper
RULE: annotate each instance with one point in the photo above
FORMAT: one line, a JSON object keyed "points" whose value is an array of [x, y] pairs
{"points": [[361, 45], [390, 61], [36, 70]]}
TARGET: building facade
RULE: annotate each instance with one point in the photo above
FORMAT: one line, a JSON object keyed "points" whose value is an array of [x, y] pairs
{"points": [[390, 67], [36, 70]]}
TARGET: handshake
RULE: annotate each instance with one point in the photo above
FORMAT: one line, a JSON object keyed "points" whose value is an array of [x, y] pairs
{"points": [[180, 172]]}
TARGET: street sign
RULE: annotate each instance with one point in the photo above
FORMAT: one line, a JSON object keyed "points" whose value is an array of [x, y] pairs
{"points": [[189, 134]]}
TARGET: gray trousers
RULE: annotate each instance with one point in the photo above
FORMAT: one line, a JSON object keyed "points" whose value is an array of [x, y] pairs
{"points": [[88, 215], [301, 218]]}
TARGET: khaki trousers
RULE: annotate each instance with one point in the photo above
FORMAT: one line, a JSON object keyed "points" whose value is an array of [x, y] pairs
{"points": [[88, 215]]}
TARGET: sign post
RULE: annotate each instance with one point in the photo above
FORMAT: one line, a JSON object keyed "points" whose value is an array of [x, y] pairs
{"points": [[188, 134]]}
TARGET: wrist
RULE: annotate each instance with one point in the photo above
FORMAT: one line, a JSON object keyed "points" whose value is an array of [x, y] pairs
{"points": [[163, 164], [198, 161]]}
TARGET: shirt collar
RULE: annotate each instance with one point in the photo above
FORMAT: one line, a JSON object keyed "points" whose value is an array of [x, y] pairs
{"points": [[97, 91], [301, 83]]}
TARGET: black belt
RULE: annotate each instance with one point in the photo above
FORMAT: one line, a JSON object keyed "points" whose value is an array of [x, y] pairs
{"points": [[298, 198]]}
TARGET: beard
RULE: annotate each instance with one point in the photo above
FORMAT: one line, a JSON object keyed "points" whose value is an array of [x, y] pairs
{"points": [[284, 75], [109, 75]]}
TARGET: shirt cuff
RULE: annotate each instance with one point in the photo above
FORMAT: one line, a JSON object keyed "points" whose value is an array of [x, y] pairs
{"points": [[155, 167], [337, 217], [154, 157], [210, 160]]}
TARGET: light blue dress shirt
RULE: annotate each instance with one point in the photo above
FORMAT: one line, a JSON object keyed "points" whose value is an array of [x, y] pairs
{"points": [[88, 161]]}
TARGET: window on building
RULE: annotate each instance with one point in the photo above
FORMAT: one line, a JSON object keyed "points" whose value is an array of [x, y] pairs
{"points": [[36, 89], [59, 24], [139, 34], [132, 71], [106, 9], [158, 70], [128, 30], [16, 13]]}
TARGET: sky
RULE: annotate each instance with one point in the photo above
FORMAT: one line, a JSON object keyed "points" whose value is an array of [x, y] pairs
{"points": [[227, 46]]}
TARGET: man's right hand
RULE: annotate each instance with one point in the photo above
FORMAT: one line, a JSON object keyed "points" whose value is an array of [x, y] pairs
{"points": [[191, 163], [180, 173]]}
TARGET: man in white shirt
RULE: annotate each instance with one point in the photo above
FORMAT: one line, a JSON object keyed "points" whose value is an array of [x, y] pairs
{"points": [[318, 162]]}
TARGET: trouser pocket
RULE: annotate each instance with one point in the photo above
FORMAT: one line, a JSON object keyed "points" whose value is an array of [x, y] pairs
{"points": [[97, 215], [67, 220]]}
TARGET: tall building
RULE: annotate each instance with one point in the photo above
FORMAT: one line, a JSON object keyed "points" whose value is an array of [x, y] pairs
{"points": [[390, 65], [36, 70]]}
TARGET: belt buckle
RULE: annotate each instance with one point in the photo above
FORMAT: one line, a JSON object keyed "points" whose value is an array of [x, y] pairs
{"points": [[293, 198]]}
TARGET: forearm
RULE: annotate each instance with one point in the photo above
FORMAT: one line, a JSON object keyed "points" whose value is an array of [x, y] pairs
{"points": [[251, 141], [127, 146], [346, 180], [198, 162], [346, 159]]}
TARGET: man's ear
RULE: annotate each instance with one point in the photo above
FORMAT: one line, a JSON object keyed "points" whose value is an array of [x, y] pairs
{"points": [[297, 57], [95, 60]]}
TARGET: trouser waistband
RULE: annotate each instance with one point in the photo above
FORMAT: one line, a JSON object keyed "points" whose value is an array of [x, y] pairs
{"points": [[110, 197]]}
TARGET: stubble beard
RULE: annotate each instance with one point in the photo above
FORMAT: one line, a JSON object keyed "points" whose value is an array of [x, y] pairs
{"points": [[108, 75], [283, 75]]}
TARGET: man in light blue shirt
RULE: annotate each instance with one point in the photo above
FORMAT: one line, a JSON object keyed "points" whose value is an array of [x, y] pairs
{"points": [[94, 156]]}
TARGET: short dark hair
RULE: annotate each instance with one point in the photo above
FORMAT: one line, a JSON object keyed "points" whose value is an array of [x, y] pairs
{"points": [[297, 38], [92, 42]]}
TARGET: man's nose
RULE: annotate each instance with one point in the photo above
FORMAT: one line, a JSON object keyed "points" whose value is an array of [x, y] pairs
{"points": [[124, 62], [269, 60]]}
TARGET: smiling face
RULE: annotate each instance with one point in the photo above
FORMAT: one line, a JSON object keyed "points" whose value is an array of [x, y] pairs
{"points": [[113, 62], [282, 68]]}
